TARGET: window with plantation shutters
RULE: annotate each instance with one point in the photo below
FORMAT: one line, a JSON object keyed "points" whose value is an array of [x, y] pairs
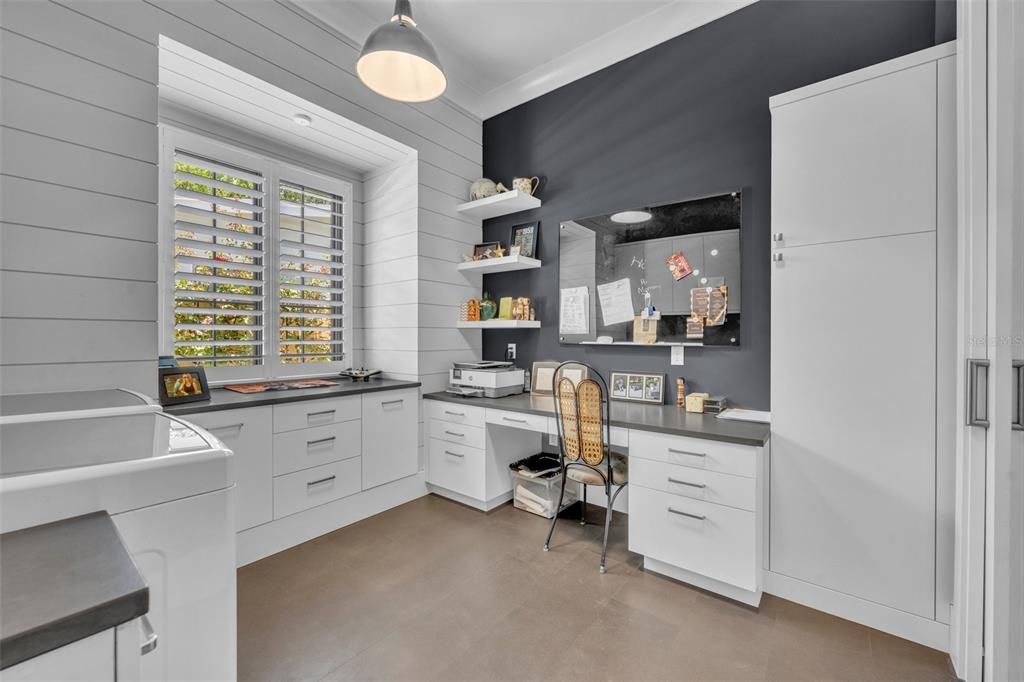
{"points": [[253, 262], [311, 274], [218, 262]]}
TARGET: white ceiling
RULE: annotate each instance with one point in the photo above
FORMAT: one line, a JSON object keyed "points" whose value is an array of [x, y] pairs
{"points": [[501, 53]]}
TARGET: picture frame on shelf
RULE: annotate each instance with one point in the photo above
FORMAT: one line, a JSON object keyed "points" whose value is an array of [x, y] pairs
{"points": [[638, 387], [525, 237], [485, 250]]}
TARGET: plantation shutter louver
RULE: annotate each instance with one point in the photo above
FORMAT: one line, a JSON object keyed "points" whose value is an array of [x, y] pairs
{"points": [[218, 263], [311, 274]]}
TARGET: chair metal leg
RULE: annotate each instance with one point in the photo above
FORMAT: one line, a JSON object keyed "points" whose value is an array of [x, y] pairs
{"points": [[583, 507], [608, 522], [558, 508]]}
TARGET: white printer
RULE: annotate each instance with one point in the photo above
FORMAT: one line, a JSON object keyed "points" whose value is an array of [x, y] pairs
{"points": [[490, 379]]}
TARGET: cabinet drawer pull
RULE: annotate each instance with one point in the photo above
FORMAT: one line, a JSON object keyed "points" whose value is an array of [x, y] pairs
{"points": [[452, 433], [692, 485], [685, 452], [455, 414], [514, 421], [682, 513], [392, 402], [320, 441], [320, 414], [454, 454], [321, 480], [226, 427]]}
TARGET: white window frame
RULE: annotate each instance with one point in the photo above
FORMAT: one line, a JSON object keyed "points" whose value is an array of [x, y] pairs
{"points": [[273, 171]]}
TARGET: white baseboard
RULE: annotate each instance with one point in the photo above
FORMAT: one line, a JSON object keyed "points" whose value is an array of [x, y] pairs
{"points": [[470, 501], [703, 582], [280, 534], [930, 633]]}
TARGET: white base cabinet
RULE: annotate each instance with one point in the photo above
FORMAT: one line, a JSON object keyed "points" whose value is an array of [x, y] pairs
{"points": [[299, 458]]}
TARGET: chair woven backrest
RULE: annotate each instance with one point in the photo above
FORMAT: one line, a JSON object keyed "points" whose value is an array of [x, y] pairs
{"points": [[581, 411]]}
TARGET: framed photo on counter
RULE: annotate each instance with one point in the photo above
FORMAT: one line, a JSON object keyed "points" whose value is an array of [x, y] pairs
{"points": [[637, 387], [183, 385]]}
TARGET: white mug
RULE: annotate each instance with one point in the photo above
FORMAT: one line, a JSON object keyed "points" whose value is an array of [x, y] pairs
{"points": [[528, 185]]}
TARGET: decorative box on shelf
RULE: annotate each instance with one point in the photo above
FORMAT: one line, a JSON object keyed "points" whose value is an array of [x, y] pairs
{"points": [[501, 204]]}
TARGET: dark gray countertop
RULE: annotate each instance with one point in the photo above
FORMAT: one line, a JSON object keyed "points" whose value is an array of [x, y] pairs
{"points": [[223, 399], [64, 581], [661, 418]]}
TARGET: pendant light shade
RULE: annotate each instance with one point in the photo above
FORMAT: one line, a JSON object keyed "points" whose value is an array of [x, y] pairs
{"points": [[399, 62]]}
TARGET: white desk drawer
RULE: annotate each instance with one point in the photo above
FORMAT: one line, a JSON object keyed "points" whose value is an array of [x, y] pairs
{"points": [[518, 420], [457, 468], [319, 485], [700, 484], [320, 412], [472, 436], [700, 453], [455, 413], [712, 540], [305, 448]]}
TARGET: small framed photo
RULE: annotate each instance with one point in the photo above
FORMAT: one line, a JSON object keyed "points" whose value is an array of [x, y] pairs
{"points": [[525, 237], [542, 377], [484, 251], [638, 388], [183, 385]]}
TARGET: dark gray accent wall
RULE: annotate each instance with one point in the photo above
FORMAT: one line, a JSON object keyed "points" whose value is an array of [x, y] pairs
{"points": [[686, 118]]}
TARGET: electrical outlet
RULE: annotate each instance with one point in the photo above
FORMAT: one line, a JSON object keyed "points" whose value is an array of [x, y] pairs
{"points": [[510, 352], [553, 439]]}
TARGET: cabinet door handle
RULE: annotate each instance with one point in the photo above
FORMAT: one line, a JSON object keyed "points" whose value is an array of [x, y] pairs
{"points": [[149, 636], [455, 414], [776, 257], [454, 454], [977, 392], [392, 402], [324, 413], [227, 427], [458, 435], [320, 441], [692, 485], [688, 453], [682, 513], [321, 480], [514, 421], [1018, 389]]}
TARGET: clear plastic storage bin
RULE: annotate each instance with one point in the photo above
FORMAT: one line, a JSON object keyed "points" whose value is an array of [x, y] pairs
{"points": [[536, 482]]}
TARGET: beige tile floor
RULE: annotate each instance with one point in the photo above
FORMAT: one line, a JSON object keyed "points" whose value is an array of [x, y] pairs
{"points": [[433, 590]]}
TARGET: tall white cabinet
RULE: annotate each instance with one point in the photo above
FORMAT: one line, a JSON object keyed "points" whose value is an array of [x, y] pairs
{"points": [[863, 242]]}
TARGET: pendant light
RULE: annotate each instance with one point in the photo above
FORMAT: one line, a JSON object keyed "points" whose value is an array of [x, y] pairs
{"points": [[399, 62]]}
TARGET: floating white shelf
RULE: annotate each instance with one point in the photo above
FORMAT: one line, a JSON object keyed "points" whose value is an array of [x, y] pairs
{"points": [[500, 324], [503, 264], [648, 345], [513, 201]]}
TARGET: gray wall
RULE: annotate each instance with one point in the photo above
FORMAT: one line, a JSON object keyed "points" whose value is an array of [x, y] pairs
{"points": [[686, 118]]}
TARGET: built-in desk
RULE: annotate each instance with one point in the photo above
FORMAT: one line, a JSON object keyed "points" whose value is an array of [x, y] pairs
{"points": [[696, 510]]}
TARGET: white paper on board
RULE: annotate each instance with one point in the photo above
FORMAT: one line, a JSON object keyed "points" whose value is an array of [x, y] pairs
{"points": [[574, 311], [616, 301], [678, 355]]}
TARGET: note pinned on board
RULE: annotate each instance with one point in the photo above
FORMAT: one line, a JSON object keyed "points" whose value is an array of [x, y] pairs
{"points": [[678, 355], [574, 311], [616, 301]]}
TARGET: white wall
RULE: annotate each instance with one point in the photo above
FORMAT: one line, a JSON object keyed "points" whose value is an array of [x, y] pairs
{"points": [[79, 184]]}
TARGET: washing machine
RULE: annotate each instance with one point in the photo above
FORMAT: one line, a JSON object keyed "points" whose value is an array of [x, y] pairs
{"points": [[169, 488]]}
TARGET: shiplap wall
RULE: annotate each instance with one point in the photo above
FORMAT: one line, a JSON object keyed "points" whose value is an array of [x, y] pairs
{"points": [[79, 184]]}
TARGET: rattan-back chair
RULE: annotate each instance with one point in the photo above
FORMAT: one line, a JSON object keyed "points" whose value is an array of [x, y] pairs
{"points": [[581, 410]]}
